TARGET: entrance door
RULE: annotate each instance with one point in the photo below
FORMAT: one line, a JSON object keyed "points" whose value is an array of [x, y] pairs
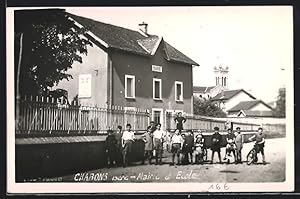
{"points": [[157, 116]]}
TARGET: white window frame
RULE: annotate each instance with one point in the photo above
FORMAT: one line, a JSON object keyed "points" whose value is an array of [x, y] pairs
{"points": [[161, 116], [160, 88], [181, 98], [133, 89]]}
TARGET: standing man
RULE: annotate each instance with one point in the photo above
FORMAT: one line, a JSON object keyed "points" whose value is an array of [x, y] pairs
{"points": [[158, 138], [216, 139], [259, 139], [127, 140], [239, 140], [179, 119]]}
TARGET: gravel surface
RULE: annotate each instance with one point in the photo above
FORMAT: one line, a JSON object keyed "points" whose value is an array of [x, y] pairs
{"points": [[273, 171]]}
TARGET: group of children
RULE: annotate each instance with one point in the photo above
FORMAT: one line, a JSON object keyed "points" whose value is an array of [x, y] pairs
{"points": [[234, 144], [187, 148]]}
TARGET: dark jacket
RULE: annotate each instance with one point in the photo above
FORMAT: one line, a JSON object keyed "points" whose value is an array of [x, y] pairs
{"points": [[111, 143], [216, 140]]}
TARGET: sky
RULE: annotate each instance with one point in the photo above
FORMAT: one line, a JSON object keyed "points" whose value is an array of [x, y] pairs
{"points": [[256, 43]]}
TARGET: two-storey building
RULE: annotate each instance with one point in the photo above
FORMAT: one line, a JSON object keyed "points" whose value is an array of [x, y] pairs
{"points": [[132, 69]]}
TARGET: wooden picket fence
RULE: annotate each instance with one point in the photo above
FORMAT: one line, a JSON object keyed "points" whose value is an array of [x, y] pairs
{"points": [[46, 116], [49, 115], [197, 122]]}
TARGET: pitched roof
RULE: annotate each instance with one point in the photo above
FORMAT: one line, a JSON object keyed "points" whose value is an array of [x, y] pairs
{"points": [[244, 105], [257, 113], [202, 89], [228, 94], [130, 40], [247, 105]]}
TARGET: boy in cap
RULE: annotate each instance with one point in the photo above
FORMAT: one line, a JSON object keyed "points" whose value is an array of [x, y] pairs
{"points": [[188, 145], [239, 140], [216, 139], [147, 138], [259, 139]]}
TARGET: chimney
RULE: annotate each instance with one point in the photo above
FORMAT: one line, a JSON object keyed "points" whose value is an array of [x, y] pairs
{"points": [[144, 27]]}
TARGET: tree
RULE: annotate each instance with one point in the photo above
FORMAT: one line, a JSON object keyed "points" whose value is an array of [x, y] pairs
{"points": [[207, 108], [51, 44], [279, 110]]}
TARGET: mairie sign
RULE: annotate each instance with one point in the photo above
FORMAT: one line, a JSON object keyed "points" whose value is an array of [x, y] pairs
{"points": [[156, 68]]}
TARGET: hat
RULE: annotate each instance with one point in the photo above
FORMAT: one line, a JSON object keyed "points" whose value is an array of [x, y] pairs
{"points": [[238, 128], [216, 128]]}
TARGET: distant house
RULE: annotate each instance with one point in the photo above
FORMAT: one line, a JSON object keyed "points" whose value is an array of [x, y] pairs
{"points": [[207, 92], [253, 108], [230, 98], [132, 69]]}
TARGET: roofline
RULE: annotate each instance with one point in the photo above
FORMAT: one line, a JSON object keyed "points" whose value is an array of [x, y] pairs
{"points": [[126, 50], [156, 45], [264, 103], [257, 101], [90, 33], [239, 90]]}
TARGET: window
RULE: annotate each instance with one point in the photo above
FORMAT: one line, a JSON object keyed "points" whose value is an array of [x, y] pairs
{"points": [[129, 86], [157, 116], [225, 81], [85, 86], [156, 88], [178, 91]]}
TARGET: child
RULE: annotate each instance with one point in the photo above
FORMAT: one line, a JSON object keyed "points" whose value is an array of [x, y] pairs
{"points": [[118, 136], [239, 145], [188, 147], [127, 140], [216, 144], [176, 144], [147, 138], [111, 148], [230, 146], [199, 148], [259, 139], [158, 138]]}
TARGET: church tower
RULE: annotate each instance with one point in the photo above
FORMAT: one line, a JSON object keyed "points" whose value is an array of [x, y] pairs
{"points": [[221, 76]]}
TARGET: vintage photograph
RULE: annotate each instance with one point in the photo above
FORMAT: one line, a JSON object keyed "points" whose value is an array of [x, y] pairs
{"points": [[199, 98]]}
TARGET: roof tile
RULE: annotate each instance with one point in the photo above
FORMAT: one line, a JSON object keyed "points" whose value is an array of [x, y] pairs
{"points": [[129, 40]]}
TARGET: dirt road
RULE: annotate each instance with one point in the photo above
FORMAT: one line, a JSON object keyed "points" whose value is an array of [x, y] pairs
{"points": [[273, 171]]}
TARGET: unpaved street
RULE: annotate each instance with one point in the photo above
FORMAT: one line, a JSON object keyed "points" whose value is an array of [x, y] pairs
{"points": [[273, 171]]}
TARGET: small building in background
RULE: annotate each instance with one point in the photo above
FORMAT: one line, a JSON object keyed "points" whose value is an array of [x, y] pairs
{"points": [[253, 108]]}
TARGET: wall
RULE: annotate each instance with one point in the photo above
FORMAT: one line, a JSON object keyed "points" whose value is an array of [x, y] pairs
{"points": [[94, 63], [241, 96], [58, 159], [140, 66]]}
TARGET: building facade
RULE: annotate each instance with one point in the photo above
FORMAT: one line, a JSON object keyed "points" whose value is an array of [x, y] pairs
{"points": [[131, 69]]}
